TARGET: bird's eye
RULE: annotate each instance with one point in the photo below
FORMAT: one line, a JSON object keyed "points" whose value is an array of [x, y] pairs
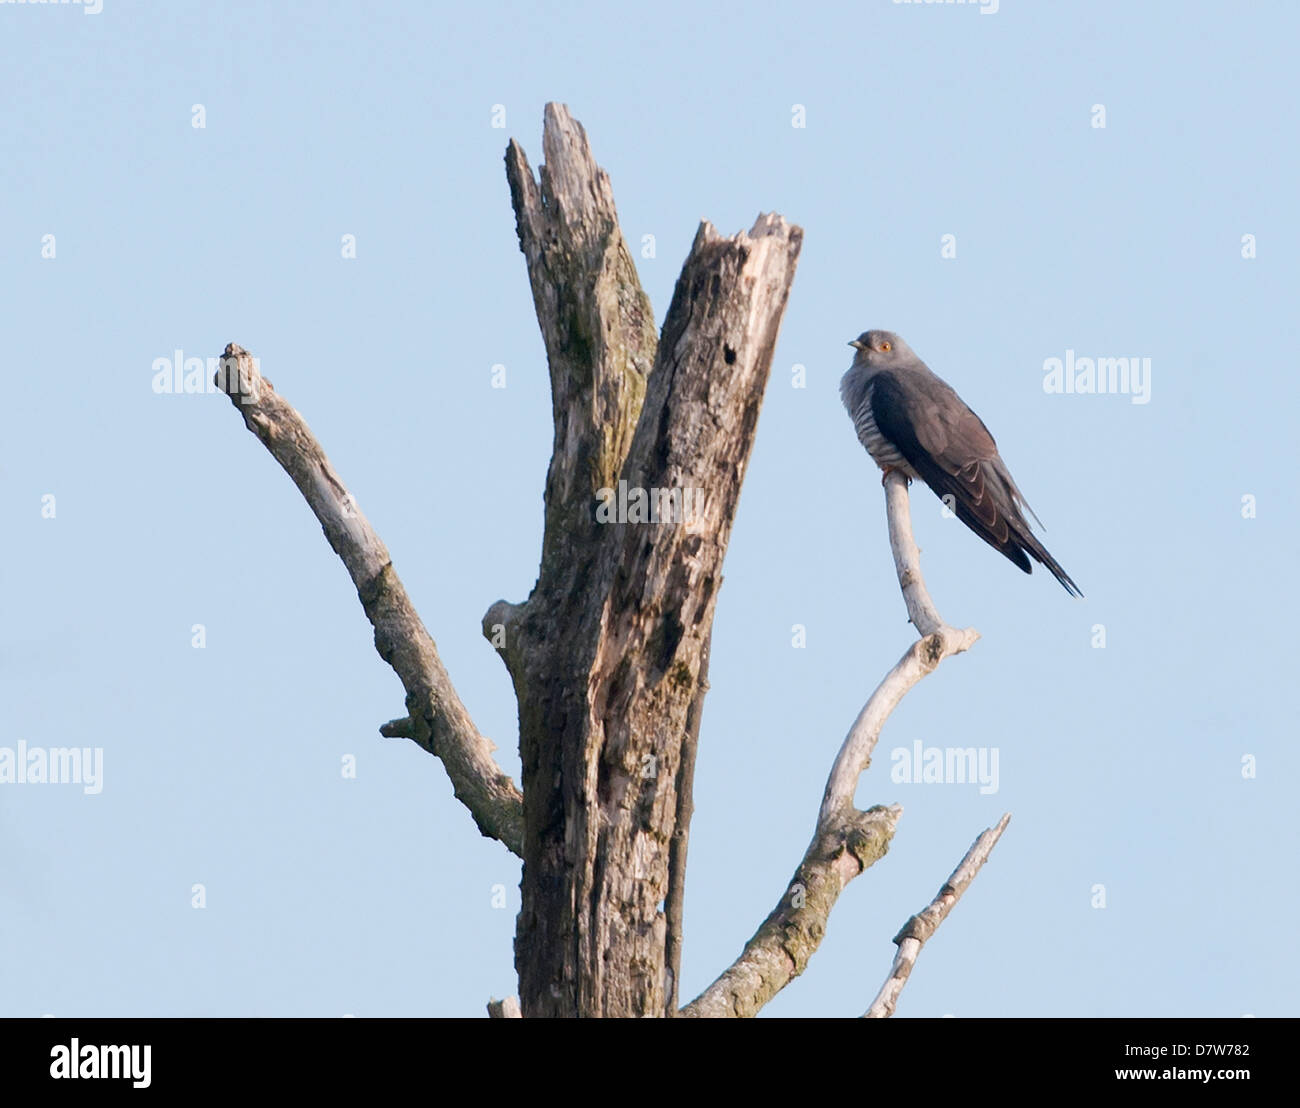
{"points": [[885, 347]]}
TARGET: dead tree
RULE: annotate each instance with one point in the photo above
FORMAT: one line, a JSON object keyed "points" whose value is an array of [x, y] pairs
{"points": [[609, 653]]}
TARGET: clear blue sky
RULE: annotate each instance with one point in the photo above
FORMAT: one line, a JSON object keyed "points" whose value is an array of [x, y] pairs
{"points": [[1122, 765]]}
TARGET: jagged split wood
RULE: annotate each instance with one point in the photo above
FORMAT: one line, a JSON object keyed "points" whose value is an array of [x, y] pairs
{"points": [[609, 653]]}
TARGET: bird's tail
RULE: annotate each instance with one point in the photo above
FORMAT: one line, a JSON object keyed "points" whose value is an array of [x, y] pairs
{"points": [[1040, 555], [1020, 530]]}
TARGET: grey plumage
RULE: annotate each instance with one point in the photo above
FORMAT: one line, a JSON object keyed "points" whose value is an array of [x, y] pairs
{"points": [[911, 420]]}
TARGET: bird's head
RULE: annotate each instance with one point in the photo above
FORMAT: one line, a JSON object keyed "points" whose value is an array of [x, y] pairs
{"points": [[880, 349]]}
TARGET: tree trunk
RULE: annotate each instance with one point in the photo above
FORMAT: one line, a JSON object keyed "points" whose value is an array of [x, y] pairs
{"points": [[606, 655]]}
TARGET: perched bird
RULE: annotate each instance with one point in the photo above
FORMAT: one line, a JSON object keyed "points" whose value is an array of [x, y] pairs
{"points": [[911, 420]]}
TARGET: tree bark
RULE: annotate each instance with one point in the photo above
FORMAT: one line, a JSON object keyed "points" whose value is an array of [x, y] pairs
{"points": [[674, 910], [606, 653]]}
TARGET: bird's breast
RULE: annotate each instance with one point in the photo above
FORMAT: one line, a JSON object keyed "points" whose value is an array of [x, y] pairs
{"points": [[883, 452]]}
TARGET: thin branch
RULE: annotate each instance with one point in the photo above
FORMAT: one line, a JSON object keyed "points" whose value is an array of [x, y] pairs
{"points": [[846, 841], [907, 558], [437, 719], [917, 930]]}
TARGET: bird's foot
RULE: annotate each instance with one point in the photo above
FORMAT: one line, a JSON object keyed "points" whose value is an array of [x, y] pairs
{"points": [[887, 470]]}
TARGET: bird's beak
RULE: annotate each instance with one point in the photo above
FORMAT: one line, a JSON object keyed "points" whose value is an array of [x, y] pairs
{"points": [[858, 345]]}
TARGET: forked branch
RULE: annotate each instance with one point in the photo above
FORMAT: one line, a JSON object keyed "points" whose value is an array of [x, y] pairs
{"points": [[846, 840]]}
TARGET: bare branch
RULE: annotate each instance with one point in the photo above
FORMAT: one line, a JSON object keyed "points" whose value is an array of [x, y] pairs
{"points": [[921, 926], [437, 719], [846, 841], [939, 642], [791, 934], [907, 558]]}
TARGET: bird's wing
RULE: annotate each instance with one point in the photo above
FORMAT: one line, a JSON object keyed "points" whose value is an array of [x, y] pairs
{"points": [[949, 446]]}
